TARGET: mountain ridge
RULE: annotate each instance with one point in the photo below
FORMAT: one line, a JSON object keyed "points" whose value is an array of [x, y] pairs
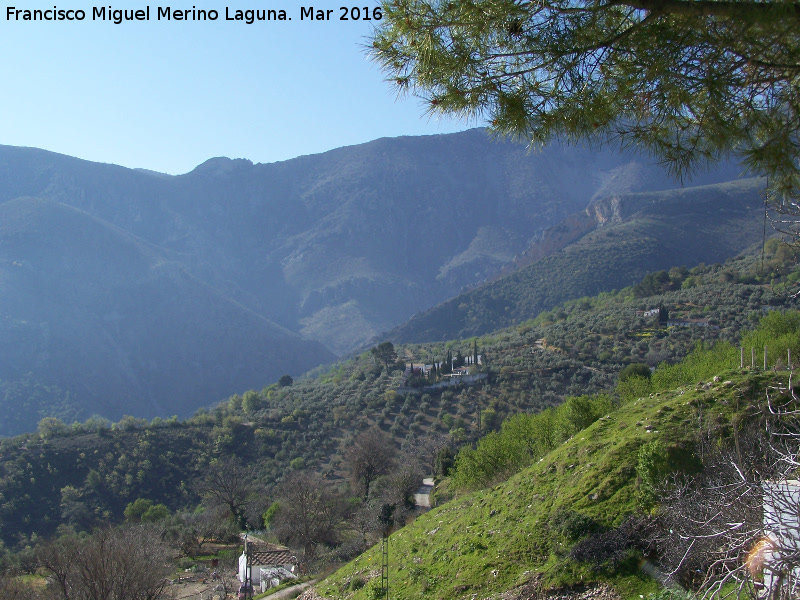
{"points": [[607, 246], [334, 247]]}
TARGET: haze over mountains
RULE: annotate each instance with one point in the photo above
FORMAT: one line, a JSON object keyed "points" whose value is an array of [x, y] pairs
{"points": [[131, 292], [610, 245]]}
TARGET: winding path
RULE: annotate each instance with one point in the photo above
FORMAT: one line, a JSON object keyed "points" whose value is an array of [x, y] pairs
{"points": [[422, 497]]}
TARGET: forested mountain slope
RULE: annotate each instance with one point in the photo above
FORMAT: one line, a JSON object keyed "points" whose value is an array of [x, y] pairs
{"points": [[86, 473], [610, 245]]}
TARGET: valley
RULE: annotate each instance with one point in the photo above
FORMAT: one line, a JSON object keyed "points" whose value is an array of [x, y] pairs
{"points": [[544, 432], [128, 292]]}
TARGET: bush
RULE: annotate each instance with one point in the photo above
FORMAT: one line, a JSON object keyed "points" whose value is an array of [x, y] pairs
{"points": [[572, 524], [702, 363], [496, 457], [375, 590], [615, 546], [523, 438], [579, 412], [634, 370], [778, 332], [356, 583], [656, 462]]}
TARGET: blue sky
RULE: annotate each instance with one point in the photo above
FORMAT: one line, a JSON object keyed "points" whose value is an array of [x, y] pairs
{"points": [[168, 95]]}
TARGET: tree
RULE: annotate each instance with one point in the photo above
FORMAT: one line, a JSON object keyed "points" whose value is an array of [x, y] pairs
{"points": [[308, 513], [251, 401], [285, 381], [444, 462], [385, 353], [143, 510], [229, 483], [126, 563], [13, 589], [370, 455], [693, 81], [635, 370], [425, 449], [51, 427], [402, 483], [74, 509]]}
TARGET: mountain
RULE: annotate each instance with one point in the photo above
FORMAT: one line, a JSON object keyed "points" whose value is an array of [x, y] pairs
{"points": [[578, 351], [120, 285], [120, 324], [611, 244]]}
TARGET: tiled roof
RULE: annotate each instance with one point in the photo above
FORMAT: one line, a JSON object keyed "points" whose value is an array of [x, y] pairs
{"points": [[271, 557]]}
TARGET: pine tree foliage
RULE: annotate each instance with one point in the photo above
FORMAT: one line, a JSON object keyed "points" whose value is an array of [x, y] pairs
{"points": [[692, 80]]}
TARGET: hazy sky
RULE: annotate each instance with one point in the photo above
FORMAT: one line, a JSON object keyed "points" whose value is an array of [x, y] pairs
{"points": [[167, 95]]}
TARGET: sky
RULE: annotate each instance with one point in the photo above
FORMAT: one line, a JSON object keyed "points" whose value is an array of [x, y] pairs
{"points": [[168, 95]]}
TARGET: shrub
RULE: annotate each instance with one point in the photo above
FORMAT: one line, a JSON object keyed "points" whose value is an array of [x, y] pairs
{"points": [[614, 546], [356, 583], [375, 590], [572, 524], [778, 332], [702, 363], [633, 388], [635, 370]]}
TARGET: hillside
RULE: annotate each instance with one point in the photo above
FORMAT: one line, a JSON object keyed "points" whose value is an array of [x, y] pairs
{"points": [[94, 321], [333, 248], [576, 520], [577, 349], [610, 245]]}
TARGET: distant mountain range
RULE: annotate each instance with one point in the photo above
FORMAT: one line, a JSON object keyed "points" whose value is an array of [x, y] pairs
{"points": [[126, 291]]}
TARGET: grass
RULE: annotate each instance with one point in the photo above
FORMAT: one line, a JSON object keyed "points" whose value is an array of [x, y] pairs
{"points": [[493, 540]]}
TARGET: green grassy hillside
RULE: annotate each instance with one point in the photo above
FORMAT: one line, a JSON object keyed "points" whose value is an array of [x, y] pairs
{"points": [[521, 536]]}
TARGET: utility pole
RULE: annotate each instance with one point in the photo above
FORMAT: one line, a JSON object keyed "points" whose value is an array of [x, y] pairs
{"points": [[248, 576], [386, 519]]}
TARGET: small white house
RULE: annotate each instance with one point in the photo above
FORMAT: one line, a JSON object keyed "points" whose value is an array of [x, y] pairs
{"points": [[270, 565]]}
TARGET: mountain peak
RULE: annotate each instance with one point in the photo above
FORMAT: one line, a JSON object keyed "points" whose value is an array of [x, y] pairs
{"points": [[221, 165]]}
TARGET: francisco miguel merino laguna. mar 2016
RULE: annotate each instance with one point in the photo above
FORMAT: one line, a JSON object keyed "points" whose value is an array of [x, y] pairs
{"points": [[166, 13]]}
